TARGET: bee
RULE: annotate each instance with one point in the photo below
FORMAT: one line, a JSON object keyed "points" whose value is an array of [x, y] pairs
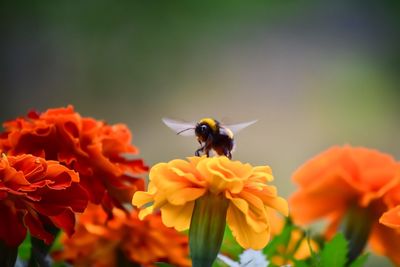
{"points": [[210, 133]]}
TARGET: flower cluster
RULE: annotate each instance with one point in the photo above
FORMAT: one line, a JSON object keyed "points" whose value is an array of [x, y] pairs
{"points": [[56, 164], [99, 152], [37, 193], [102, 243], [357, 182]]}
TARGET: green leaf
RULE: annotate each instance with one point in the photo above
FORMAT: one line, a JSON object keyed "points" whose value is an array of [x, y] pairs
{"points": [[59, 264], [40, 250], [360, 261], [24, 250], [163, 264], [302, 263], [230, 246], [282, 239], [314, 256], [334, 252]]}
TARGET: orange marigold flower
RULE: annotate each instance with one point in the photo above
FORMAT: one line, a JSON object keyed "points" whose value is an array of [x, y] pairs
{"points": [[355, 180], [175, 186], [96, 150], [35, 193], [101, 243]]}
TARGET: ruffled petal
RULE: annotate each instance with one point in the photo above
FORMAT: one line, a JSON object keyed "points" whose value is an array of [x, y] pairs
{"points": [[184, 195], [177, 216], [141, 198], [12, 230], [391, 218], [243, 232], [386, 241], [255, 216]]}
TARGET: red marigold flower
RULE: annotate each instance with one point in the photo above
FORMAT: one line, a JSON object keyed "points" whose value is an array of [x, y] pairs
{"points": [[356, 183], [35, 193], [101, 243], [93, 148]]}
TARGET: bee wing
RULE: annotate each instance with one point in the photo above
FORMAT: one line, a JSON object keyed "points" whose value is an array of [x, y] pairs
{"points": [[235, 128], [180, 127]]}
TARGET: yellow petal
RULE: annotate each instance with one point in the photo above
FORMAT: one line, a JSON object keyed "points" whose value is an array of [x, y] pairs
{"points": [[255, 215], [190, 177], [280, 204], [184, 195], [219, 177], [244, 234], [177, 216], [165, 179], [141, 198], [262, 174], [269, 199], [146, 211]]}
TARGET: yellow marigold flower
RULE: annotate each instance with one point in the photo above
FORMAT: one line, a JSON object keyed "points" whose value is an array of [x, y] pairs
{"points": [[240, 190]]}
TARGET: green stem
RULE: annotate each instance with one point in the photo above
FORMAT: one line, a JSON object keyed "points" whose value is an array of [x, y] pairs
{"points": [[40, 250], [356, 229], [8, 255], [207, 229]]}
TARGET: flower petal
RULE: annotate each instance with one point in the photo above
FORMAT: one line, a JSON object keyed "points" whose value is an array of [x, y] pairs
{"points": [[243, 233], [185, 195], [386, 241], [177, 216], [255, 215], [391, 218], [141, 198], [12, 230]]}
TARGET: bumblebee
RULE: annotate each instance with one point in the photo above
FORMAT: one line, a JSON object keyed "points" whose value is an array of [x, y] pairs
{"points": [[210, 133]]}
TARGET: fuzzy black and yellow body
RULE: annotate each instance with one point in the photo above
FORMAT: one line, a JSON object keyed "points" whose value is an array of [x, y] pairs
{"points": [[212, 136], [210, 133]]}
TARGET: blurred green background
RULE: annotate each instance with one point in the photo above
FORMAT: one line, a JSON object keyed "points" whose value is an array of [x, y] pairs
{"points": [[314, 73]]}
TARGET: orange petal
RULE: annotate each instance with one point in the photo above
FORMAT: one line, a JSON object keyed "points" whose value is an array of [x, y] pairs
{"points": [[386, 241], [391, 218], [307, 208]]}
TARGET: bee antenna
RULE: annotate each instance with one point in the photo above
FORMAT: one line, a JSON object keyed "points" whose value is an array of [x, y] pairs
{"points": [[185, 130]]}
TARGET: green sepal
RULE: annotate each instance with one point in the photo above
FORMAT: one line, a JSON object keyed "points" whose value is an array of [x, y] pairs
{"points": [[207, 229], [356, 228]]}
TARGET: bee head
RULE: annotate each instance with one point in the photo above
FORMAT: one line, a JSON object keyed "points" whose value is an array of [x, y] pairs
{"points": [[202, 131]]}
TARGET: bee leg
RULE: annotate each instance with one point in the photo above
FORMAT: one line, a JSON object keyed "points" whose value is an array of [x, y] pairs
{"points": [[227, 153], [197, 152], [208, 146]]}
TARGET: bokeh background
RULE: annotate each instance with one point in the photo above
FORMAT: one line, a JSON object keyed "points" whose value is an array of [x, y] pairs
{"points": [[314, 73]]}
